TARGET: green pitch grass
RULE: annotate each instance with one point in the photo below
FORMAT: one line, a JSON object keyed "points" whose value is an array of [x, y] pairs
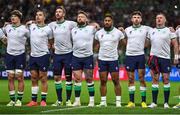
{"points": [[111, 109]]}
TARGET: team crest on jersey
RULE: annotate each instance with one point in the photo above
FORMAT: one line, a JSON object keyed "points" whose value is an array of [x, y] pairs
{"points": [[130, 32], [9, 31], [153, 33], [75, 32], [102, 36]]}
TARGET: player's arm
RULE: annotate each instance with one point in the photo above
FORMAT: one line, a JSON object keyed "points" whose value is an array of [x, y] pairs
{"points": [[51, 43], [95, 25], [123, 41], [147, 43], [147, 40], [177, 27], [4, 40], [96, 43], [28, 23], [96, 46], [174, 42]]}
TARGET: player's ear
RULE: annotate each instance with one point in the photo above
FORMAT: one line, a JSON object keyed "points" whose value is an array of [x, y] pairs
{"points": [[131, 19], [140, 19]]}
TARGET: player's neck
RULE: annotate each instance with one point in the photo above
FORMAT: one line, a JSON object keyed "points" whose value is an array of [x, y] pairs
{"points": [[136, 25], [41, 24], [160, 26], [82, 25], [108, 29], [16, 24], [60, 21]]}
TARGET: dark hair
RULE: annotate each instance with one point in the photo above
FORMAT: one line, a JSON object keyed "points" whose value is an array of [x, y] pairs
{"points": [[17, 13], [40, 10], [161, 13], [108, 15], [136, 13], [62, 8], [82, 12]]}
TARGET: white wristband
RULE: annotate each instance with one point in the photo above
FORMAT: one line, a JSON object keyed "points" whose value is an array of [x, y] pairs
{"points": [[176, 56]]}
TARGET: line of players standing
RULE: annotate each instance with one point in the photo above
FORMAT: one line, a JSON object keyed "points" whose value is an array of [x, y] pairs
{"points": [[73, 42]]}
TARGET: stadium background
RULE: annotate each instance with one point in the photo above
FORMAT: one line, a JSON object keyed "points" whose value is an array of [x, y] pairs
{"points": [[120, 9]]}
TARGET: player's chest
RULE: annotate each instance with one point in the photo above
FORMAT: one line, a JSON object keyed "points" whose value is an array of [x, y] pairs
{"points": [[38, 32], [159, 35], [15, 33], [136, 34], [108, 37], [61, 29]]}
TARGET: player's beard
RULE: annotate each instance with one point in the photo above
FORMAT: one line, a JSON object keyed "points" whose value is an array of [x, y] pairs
{"points": [[107, 28], [81, 23]]}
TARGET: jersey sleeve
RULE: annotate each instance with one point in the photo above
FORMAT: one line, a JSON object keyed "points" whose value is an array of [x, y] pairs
{"points": [[1, 34], [125, 33], [172, 35], [121, 35], [4, 29], [72, 25], [50, 33], [97, 36], [26, 30], [148, 28], [178, 33]]}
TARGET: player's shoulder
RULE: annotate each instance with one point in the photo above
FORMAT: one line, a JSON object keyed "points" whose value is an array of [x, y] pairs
{"points": [[52, 23], [178, 30], [75, 28], [116, 29], [100, 31], [90, 27], [129, 28], [167, 29], [47, 27], [33, 25], [8, 26], [23, 26], [69, 21]]}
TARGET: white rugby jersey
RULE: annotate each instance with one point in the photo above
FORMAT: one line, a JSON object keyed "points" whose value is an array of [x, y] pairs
{"points": [[178, 35], [62, 36], [82, 38], [1, 34], [136, 40], [160, 42], [16, 39], [39, 37], [108, 41]]}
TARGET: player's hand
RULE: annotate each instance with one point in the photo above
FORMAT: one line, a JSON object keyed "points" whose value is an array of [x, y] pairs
{"points": [[6, 23], [172, 29], [177, 27], [96, 25], [121, 29], [30, 22]]}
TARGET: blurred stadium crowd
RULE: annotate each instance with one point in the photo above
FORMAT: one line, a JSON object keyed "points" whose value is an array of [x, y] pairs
{"points": [[120, 9]]}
